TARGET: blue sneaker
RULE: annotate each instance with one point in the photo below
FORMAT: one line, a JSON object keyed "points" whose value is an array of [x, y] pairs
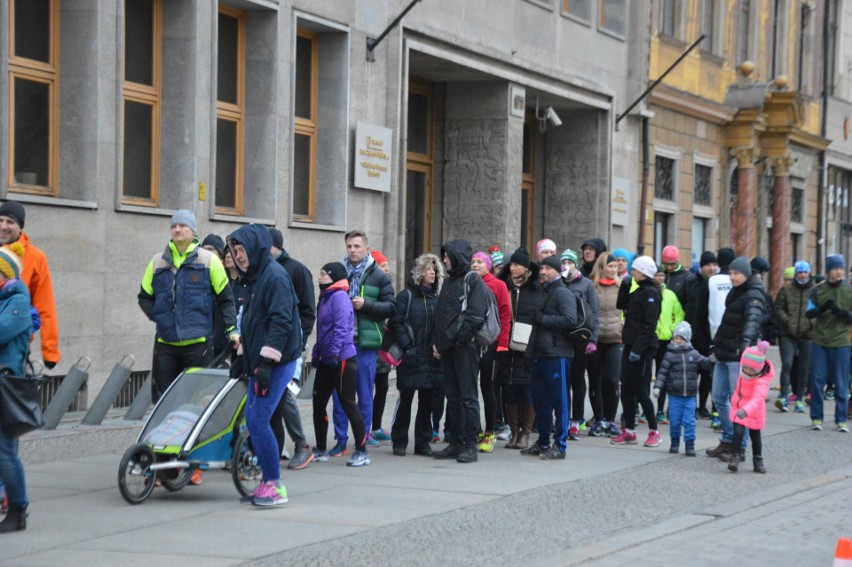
{"points": [[613, 430], [380, 435], [715, 422], [339, 450], [359, 459], [371, 442]]}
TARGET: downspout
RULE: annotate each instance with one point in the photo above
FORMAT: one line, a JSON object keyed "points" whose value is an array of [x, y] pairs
{"points": [[823, 174], [643, 201]]}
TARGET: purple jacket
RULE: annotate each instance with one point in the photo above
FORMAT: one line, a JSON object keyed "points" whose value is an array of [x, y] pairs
{"points": [[335, 323]]}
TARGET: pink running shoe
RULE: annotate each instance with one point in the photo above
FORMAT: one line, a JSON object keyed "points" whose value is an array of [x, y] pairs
{"points": [[626, 438], [654, 439]]}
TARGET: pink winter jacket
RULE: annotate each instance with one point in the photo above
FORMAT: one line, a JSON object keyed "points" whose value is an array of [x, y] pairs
{"points": [[750, 396]]}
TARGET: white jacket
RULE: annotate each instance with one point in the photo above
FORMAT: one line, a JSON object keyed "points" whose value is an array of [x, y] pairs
{"points": [[719, 286]]}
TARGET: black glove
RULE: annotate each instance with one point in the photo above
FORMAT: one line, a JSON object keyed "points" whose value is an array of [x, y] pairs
{"points": [[49, 364], [330, 362], [826, 306], [741, 414], [315, 362], [743, 347], [262, 379], [839, 313], [236, 367]]}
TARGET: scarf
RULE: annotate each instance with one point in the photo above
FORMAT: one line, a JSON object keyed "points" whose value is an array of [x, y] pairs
{"points": [[356, 273]]}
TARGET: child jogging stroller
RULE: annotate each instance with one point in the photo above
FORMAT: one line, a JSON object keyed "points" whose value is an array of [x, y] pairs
{"points": [[198, 424]]}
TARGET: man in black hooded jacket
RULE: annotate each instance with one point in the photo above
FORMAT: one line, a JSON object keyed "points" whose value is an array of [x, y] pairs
{"points": [[591, 249], [455, 341]]}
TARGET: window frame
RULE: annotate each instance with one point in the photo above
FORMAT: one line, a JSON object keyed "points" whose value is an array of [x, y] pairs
{"points": [[234, 112], [565, 10], [528, 182], [308, 126], [622, 35], [149, 95], [424, 163], [38, 72]]}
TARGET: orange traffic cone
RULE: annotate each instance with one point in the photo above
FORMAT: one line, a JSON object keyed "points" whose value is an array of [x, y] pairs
{"points": [[843, 553]]}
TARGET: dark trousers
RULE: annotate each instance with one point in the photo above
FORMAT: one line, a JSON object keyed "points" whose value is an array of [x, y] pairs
{"points": [[170, 360], [487, 373], [658, 361], [792, 349], [604, 377], [422, 421], [379, 399], [342, 379], [756, 444], [461, 365], [287, 414], [549, 384], [578, 384], [635, 377], [705, 377], [439, 398]]}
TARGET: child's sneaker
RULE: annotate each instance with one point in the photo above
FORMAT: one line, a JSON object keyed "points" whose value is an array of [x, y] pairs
{"points": [[781, 404], [816, 424], [675, 446], [800, 407], [381, 435], [654, 439], [339, 450], [270, 495], [359, 459], [486, 445], [320, 456], [627, 437], [661, 417], [843, 427]]}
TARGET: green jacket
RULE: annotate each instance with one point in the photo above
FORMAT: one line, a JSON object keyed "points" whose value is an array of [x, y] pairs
{"points": [[791, 303], [831, 326], [377, 291], [671, 313]]}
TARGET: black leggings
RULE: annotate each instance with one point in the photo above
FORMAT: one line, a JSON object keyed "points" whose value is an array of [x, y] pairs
{"points": [[604, 376], [739, 433], [379, 399], [578, 384], [634, 387], [487, 373], [658, 361], [343, 378]]}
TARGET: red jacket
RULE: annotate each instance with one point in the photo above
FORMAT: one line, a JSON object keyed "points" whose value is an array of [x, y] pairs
{"points": [[36, 275], [750, 396], [504, 306]]}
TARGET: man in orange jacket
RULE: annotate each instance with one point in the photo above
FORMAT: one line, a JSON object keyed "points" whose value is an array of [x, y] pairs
{"points": [[36, 276]]}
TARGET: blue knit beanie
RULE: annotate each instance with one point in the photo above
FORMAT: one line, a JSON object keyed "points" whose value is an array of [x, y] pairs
{"points": [[834, 261]]}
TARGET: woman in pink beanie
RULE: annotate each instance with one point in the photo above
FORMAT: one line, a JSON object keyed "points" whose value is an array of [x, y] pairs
{"points": [[748, 403]]}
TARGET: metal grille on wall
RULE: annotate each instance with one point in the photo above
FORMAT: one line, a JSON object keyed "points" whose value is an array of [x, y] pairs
{"points": [[796, 205], [703, 185], [664, 178]]}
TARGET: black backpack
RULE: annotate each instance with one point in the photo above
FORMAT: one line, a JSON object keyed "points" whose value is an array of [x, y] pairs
{"points": [[582, 332]]}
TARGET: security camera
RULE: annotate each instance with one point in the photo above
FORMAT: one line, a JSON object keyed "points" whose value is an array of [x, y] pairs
{"points": [[552, 117]]}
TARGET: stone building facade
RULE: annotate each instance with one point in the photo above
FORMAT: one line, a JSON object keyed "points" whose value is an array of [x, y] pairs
{"points": [[115, 113]]}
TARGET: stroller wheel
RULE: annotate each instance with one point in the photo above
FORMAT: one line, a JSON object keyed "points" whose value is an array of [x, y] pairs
{"points": [[245, 469], [135, 477], [176, 480]]}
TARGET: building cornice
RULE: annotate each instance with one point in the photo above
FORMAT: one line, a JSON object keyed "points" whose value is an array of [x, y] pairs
{"points": [[671, 99]]}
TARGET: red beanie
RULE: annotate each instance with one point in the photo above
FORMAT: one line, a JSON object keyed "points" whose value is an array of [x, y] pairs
{"points": [[671, 254], [379, 257]]}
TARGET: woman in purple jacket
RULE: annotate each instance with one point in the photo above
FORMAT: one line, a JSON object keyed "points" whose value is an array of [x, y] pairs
{"points": [[334, 358]]}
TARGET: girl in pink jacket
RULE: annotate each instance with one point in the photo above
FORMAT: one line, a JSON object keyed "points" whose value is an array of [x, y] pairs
{"points": [[748, 403]]}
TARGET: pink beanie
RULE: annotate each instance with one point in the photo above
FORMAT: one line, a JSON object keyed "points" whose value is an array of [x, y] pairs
{"points": [[543, 245], [484, 257], [671, 254], [755, 357]]}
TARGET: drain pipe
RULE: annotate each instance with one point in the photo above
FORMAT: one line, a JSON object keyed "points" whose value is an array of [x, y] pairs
{"points": [[643, 200], [823, 173]]}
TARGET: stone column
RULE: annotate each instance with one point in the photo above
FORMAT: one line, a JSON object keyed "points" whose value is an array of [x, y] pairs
{"points": [[779, 246], [745, 229]]}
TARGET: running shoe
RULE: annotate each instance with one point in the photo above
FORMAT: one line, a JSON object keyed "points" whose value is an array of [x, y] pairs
{"points": [[584, 425], [339, 450], [196, 478], [371, 442], [381, 435], [654, 439], [791, 398], [816, 424], [435, 437], [800, 407], [598, 430], [626, 438], [703, 413], [781, 404], [661, 417], [552, 454], [270, 495], [301, 459], [715, 422], [320, 456], [486, 445], [613, 430], [574, 433], [843, 427], [359, 459], [829, 394], [504, 434], [642, 418]]}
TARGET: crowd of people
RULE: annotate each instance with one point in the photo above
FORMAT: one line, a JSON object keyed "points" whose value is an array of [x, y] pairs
{"points": [[605, 326]]}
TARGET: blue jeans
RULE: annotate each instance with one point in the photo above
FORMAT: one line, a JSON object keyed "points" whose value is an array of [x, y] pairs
{"points": [[258, 415], [364, 391], [830, 362], [549, 383], [725, 376], [682, 412], [12, 471]]}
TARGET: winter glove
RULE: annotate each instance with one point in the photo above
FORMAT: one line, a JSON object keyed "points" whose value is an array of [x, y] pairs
{"points": [[633, 357], [49, 364], [656, 392], [263, 378], [741, 414], [841, 314], [330, 362], [315, 362], [743, 347], [826, 306], [236, 367], [591, 348], [712, 358]]}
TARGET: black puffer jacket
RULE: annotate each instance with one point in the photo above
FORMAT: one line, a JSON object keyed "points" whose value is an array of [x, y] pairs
{"points": [[678, 374], [514, 367], [741, 324], [678, 282], [642, 311], [413, 327], [448, 332], [556, 313], [303, 285], [696, 313]]}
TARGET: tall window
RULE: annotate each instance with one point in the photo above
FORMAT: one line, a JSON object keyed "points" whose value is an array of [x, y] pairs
{"points": [[797, 205], [708, 26], [305, 141], [528, 183], [663, 223], [805, 51], [142, 95], [419, 168], [613, 16], [664, 178], [703, 185], [669, 17], [33, 100], [743, 31], [230, 111], [580, 9]]}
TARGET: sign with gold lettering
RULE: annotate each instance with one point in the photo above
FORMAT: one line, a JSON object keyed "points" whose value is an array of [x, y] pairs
{"points": [[620, 203], [373, 157]]}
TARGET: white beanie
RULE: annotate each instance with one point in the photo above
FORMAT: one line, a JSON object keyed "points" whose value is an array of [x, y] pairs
{"points": [[646, 266]]}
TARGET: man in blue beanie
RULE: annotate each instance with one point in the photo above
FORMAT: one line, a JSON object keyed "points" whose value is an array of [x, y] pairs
{"points": [[830, 307]]}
